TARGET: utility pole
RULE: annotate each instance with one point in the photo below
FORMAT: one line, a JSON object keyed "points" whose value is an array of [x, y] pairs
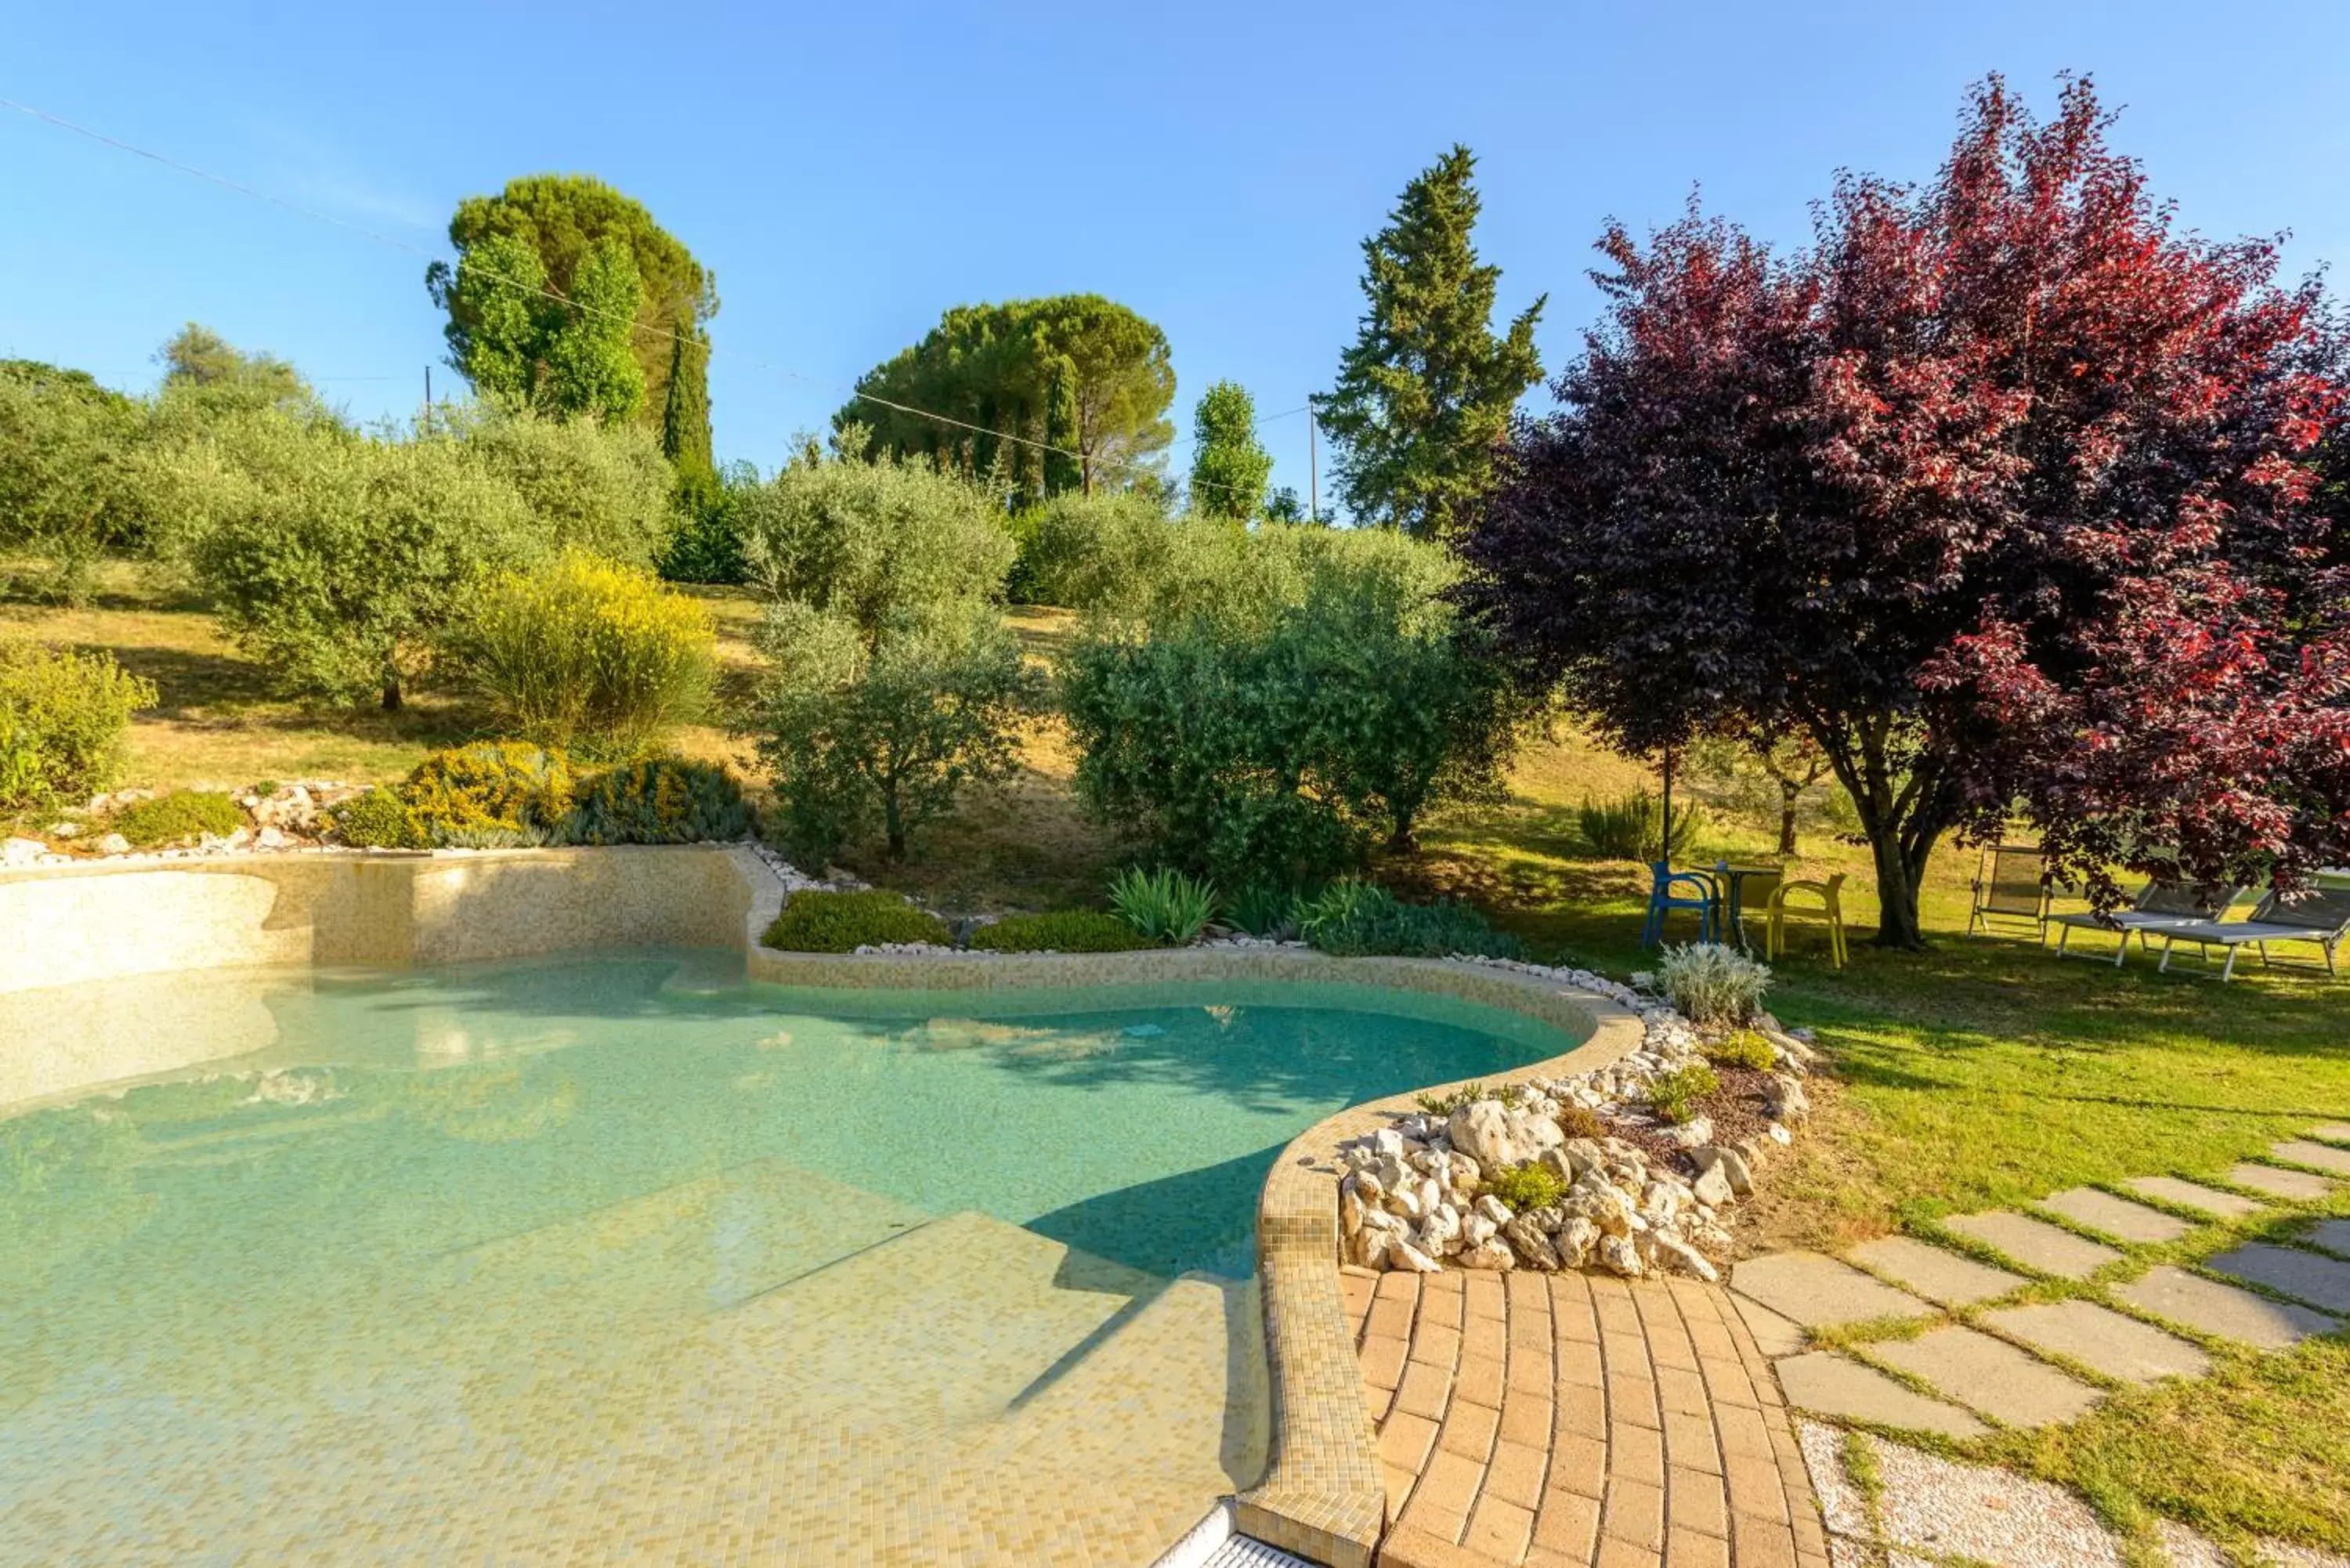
{"points": [[428, 390], [1313, 468]]}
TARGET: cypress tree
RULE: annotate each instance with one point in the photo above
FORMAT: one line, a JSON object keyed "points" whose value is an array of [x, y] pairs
{"points": [[1426, 391], [685, 412]]}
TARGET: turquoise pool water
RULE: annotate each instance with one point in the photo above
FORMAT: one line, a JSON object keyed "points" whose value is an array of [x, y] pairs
{"points": [[360, 1225]]}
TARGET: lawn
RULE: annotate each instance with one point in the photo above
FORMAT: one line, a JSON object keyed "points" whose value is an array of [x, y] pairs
{"points": [[1981, 1072]]}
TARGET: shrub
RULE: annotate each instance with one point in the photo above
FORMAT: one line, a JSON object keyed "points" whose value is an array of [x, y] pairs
{"points": [[1675, 1095], [338, 560], [705, 546], [1261, 730], [885, 732], [380, 819], [1524, 1187], [494, 795], [1581, 1121], [1353, 918], [1711, 984], [1744, 1049], [868, 541], [1063, 932], [1263, 912], [67, 447], [173, 818], [599, 659], [1630, 827], [819, 922], [665, 801], [1165, 905], [603, 488], [63, 718], [1468, 1095]]}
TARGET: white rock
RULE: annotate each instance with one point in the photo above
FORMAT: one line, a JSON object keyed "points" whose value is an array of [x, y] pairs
{"points": [[271, 838], [1575, 1239], [1350, 1208], [1388, 1142], [1730, 1163], [1779, 1135], [1695, 1133], [1491, 1253], [1440, 1231], [1494, 1209], [1618, 1256], [1531, 1244], [1676, 1255], [64, 830], [1483, 1130], [1403, 1255], [22, 852], [1475, 1231], [1712, 1187]]}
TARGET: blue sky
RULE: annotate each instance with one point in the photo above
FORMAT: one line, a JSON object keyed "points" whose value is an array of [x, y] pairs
{"points": [[849, 172]]}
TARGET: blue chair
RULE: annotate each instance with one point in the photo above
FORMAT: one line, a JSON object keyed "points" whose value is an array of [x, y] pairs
{"points": [[1663, 899]]}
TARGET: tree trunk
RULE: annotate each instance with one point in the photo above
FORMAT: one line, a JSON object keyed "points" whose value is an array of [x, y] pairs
{"points": [[1897, 882], [893, 823], [391, 695], [1786, 819], [1402, 841]]}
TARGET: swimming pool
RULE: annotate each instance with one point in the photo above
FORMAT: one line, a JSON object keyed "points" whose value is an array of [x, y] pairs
{"points": [[623, 1255]]}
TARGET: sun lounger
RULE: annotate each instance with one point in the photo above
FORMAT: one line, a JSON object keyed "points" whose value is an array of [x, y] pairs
{"points": [[2320, 916], [2158, 905]]}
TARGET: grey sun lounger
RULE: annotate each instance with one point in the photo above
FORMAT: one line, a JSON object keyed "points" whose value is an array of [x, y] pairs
{"points": [[2321, 915], [2158, 905]]}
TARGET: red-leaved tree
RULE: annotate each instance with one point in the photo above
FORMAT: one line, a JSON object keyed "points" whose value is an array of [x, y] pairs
{"points": [[2004, 492]]}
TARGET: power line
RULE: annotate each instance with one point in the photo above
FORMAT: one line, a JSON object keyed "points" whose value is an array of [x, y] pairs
{"points": [[543, 291]]}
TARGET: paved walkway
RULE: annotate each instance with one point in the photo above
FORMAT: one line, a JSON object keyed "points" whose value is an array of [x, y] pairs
{"points": [[1934, 1344], [1565, 1419], [1570, 1419]]}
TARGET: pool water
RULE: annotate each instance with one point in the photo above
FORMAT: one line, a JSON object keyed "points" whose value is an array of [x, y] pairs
{"points": [[624, 1250]]}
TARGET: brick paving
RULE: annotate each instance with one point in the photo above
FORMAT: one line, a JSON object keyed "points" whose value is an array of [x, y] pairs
{"points": [[1575, 1421], [1569, 1421]]}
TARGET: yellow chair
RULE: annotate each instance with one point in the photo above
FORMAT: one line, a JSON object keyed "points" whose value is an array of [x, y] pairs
{"points": [[1830, 906]]}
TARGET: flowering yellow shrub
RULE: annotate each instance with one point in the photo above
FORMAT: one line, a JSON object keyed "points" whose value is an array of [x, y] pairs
{"points": [[598, 658]]}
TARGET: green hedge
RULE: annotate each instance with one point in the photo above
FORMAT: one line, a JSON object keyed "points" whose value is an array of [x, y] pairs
{"points": [[1063, 932], [843, 922]]}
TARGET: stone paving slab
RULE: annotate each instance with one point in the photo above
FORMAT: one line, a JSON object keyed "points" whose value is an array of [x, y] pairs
{"points": [[1832, 1385], [2223, 1311], [2305, 1276], [2190, 1195], [2102, 1340], [1818, 1292], [1990, 1375], [2333, 1132], [2036, 1244], [1774, 1335], [2320, 1155], [2333, 1235], [2294, 1186], [1946, 1278], [2116, 1217]]}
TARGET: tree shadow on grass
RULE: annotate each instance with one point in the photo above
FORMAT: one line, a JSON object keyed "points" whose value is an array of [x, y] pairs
{"points": [[223, 691]]}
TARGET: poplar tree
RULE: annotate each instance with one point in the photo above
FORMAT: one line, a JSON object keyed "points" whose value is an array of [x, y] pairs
{"points": [[1425, 394]]}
